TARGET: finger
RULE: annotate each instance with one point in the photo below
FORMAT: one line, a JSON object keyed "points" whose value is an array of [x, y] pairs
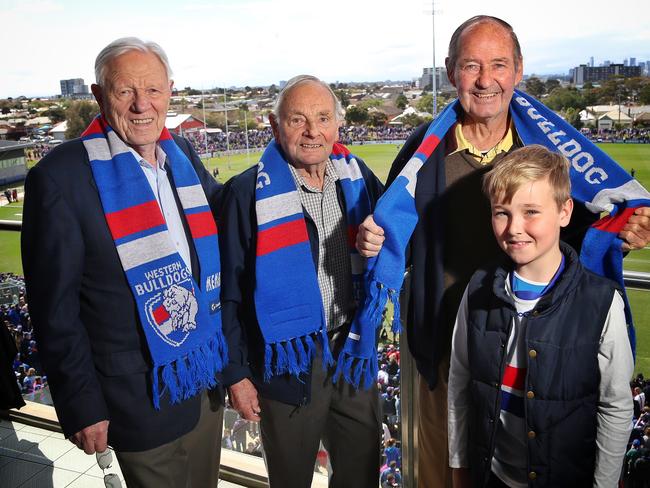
{"points": [[101, 442], [631, 240], [369, 225]]}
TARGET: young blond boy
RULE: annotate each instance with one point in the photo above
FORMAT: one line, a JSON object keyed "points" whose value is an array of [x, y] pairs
{"points": [[540, 362]]}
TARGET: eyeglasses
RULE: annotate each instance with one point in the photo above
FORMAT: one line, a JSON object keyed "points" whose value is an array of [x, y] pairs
{"points": [[104, 461]]}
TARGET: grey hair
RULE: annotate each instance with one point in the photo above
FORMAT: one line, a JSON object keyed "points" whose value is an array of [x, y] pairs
{"points": [[123, 46], [339, 113], [454, 43]]}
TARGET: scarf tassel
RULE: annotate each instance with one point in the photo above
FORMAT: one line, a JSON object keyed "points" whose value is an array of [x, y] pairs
{"points": [[396, 326], [354, 373], [188, 375], [293, 356]]}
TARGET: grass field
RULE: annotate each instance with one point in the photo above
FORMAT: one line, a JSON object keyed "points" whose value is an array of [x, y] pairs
{"points": [[379, 158]]}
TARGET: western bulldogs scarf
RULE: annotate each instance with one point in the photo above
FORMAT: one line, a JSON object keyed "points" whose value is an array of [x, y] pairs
{"points": [[287, 296], [181, 320], [596, 180]]}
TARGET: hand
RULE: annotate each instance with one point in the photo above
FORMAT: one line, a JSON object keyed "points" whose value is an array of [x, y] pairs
{"points": [[370, 238], [243, 398], [460, 478], [93, 438], [636, 232]]}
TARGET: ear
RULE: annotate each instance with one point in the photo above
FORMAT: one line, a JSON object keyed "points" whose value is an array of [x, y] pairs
{"points": [[450, 73], [274, 127], [520, 72], [98, 94], [171, 86], [565, 212]]}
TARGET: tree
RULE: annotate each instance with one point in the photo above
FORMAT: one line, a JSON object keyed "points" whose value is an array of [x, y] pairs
{"points": [[644, 95], [55, 113], [551, 85], [401, 101], [413, 120], [377, 119], [572, 116], [79, 115], [356, 115], [343, 96], [535, 86], [273, 89], [425, 103], [564, 98]]}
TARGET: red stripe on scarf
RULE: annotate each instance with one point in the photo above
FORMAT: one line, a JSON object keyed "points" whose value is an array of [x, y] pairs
{"points": [[201, 224], [95, 127], [352, 235], [614, 224], [134, 219], [514, 377], [165, 135], [283, 235], [339, 149], [428, 145]]}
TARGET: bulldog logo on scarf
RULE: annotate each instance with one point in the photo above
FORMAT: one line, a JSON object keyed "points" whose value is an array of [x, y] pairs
{"points": [[172, 313]]}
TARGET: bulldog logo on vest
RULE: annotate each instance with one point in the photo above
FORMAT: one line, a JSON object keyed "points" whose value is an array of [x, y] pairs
{"points": [[172, 313]]}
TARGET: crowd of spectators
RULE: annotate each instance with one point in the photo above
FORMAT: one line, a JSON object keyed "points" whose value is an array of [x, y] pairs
{"points": [[636, 467], [258, 139], [15, 317], [388, 384], [630, 135]]}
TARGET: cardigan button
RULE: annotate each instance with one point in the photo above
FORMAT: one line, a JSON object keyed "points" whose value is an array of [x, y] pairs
{"points": [[532, 353], [532, 475], [530, 395], [531, 434]]}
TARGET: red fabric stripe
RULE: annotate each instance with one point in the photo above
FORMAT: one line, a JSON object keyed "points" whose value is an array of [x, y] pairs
{"points": [[165, 135], [339, 148], [616, 223], [160, 314], [283, 235], [134, 219], [514, 377], [95, 127], [201, 224], [352, 235], [429, 144]]}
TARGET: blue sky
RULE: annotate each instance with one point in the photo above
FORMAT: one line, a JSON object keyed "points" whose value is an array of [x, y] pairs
{"points": [[254, 42]]}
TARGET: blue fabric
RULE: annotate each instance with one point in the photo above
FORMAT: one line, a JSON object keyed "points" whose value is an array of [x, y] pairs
{"points": [[596, 180], [181, 318], [289, 306]]}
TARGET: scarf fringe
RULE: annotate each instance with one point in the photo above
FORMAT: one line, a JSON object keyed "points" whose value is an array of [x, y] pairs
{"points": [[294, 356], [354, 370], [396, 326], [192, 373]]}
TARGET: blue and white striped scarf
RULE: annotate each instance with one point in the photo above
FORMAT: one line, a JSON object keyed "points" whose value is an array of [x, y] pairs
{"points": [[181, 318], [596, 180], [288, 300]]}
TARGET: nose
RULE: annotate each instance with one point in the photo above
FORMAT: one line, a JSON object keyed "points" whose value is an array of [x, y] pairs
{"points": [[484, 79], [311, 129], [515, 226], [141, 102]]}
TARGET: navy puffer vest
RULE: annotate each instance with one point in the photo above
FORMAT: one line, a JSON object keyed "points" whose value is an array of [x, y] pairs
{"points": [[561, 390]]}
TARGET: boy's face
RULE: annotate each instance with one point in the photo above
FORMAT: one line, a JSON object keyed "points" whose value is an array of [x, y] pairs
{"points": [[528, 229]]}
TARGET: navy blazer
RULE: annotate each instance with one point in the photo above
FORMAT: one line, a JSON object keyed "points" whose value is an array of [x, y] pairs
{"points": [[92, 345]]}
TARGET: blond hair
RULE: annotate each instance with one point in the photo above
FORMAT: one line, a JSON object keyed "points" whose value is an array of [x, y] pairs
{"points": [[526, 165]]}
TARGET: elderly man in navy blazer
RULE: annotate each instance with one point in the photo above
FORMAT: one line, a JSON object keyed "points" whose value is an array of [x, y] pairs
{"points": [[121, 260]]}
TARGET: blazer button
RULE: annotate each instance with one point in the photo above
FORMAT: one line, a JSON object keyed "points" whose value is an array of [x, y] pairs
{"points": [[531, 434], [535, 313], [530, 395], [532, 353], [532, 475]]}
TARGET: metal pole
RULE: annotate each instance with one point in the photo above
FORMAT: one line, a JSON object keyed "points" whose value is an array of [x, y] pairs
{"points": [[205, 127], [434, 85], [225, 112], [246, 133]]}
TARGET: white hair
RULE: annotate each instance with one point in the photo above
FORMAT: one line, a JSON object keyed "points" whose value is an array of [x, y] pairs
{"points": [[122, 46], [297, 80]]}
